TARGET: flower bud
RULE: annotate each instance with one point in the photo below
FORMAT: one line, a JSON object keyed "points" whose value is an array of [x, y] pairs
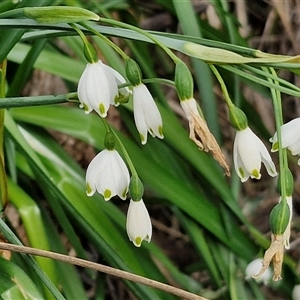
{"points": [[237, 118], [59, 14], [183, 81], [109, 141], [136, 188], [133, 72], [279, 217]]}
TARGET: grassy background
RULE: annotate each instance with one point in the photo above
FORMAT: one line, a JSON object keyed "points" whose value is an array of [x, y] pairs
{"points": [[207, 228]]}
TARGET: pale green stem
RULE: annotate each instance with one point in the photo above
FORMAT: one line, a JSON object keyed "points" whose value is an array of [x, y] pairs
{"points": [[105, 39], [150, 80], [85, 42], [37, 100], [143, 32], [282, 153], [222, 84], [126, 155], [124, 151]]}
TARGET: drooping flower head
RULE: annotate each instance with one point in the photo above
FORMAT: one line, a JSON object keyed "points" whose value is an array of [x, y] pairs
{"points": [[290, 137], [98, 88], [138, 224], [248, 154], [108, 174], [146, 114]]}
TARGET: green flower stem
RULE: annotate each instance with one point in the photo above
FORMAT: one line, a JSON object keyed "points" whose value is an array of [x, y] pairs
{"points": [[282, 153], [143, 32], [126, 155], [106, 125], [149, 80], [158, 80], [37, 100], [223, 86], [282, 82], [105, 39], [89, 52]]}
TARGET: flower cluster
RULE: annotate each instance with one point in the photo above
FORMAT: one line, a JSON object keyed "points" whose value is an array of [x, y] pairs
{"points": [[98, 88], [101, 86], [108, 175], [281, 215]]}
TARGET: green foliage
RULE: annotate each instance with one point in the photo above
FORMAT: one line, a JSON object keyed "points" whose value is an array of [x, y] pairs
{"points": [[47, 186]]}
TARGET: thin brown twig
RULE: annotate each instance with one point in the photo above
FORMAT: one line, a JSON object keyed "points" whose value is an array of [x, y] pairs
{"points": [[102, 268]]}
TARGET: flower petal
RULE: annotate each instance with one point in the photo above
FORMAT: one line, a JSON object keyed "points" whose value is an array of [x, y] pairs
{"points": [[289, 133], [249, 152], [108, 174], [238, 164], [97, 88], [253, 267], [138, 224], [247, 148], [146, 114], [119, 80]]}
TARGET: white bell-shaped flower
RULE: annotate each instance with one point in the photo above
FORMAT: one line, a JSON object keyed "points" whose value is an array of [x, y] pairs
{"points": [[253, 267], [248, 153], [98, 88], [290, 135], [146, 114], [138, 224], [108, 174], [296, 292]]}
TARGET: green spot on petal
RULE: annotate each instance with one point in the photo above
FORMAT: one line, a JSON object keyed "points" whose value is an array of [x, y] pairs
{"points": [[241, 171], [107, 194], [88, 189], [138, 241], [85, 107], [142, 139], [124, 193], [160, 130], [255, 174], [275, 147], [102, 109]]}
